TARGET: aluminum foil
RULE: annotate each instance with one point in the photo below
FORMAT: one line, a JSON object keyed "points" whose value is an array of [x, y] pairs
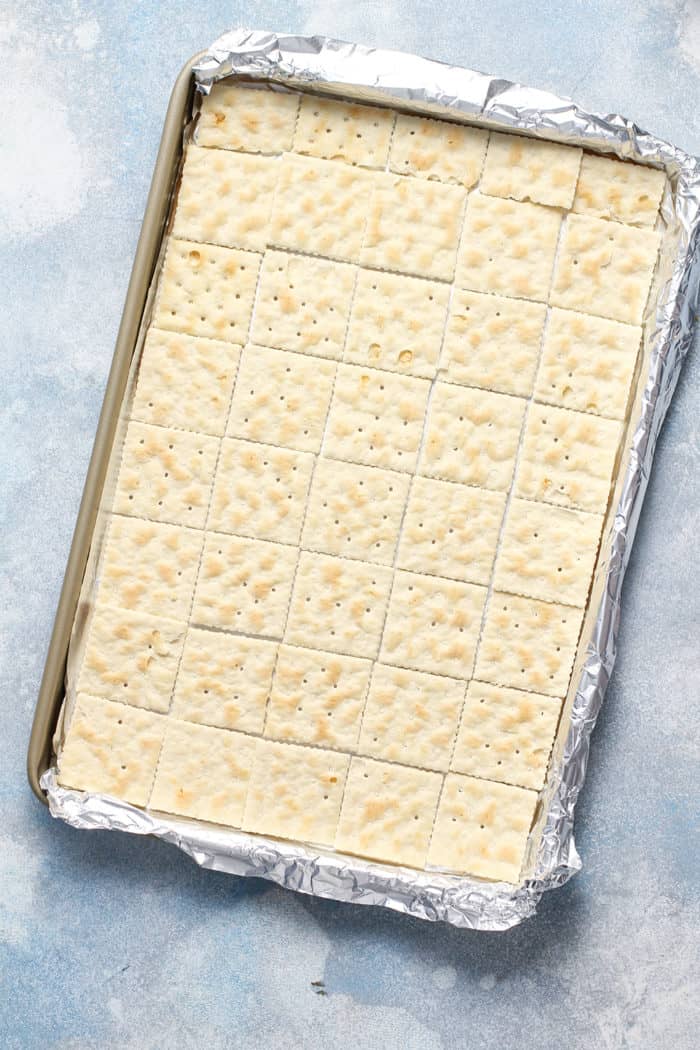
{"points": [[433, 88]]}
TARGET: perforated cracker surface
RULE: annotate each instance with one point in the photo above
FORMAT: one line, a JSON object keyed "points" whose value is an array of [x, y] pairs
{"points": [[235, 117], [507, 248], [436, 149], [206, 290], [531, 170], [605, 268], [374, 432], [613, 189], [341, 131], [413, 227], [226, 198]]}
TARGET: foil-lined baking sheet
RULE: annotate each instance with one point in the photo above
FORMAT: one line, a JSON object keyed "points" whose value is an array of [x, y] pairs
{"points": [[431, 88]]}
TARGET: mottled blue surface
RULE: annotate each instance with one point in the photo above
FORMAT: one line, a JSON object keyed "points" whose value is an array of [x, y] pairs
{"points": [[107, 941]]}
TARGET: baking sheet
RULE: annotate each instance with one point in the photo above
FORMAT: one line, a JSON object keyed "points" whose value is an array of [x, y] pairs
{"points": [[428, 87]]}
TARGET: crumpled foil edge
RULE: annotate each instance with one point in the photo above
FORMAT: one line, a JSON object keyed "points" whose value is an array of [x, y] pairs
{"points": [[442, 90]]}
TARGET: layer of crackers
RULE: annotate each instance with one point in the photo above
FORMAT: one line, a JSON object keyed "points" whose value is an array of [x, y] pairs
{"points": [[370, 448]]}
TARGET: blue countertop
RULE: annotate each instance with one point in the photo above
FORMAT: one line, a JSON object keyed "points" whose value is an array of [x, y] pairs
{"points": [[108, 941]]}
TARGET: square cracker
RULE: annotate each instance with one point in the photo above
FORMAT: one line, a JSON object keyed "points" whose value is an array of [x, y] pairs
{"points": [[343, 131], [619, 190], [451, 530], [244, 585], [433, 624], [240, 117], [224, 680], [166, 474], [317, 698], [531, 170], [548, 552], [338, 604], [482, 828], [203, 773], [260, 490], [436, 149], [320, 208], [587, 363], [492, 342], [397, 323], [295, 792], [303, 304], [149, 567], [506, 735], [528, 644], [131, 657], [567, 458], [111, 749], [376, 418], [271, 401], [508, 248], [388, 812], [411, 717], [355, 511], [225, 198], [605, 269], [413, 226], [185, 382], [472, 436], [206, 290]]}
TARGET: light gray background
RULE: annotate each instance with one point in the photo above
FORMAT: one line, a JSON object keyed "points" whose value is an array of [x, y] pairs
{"points": [[110, 941]]}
